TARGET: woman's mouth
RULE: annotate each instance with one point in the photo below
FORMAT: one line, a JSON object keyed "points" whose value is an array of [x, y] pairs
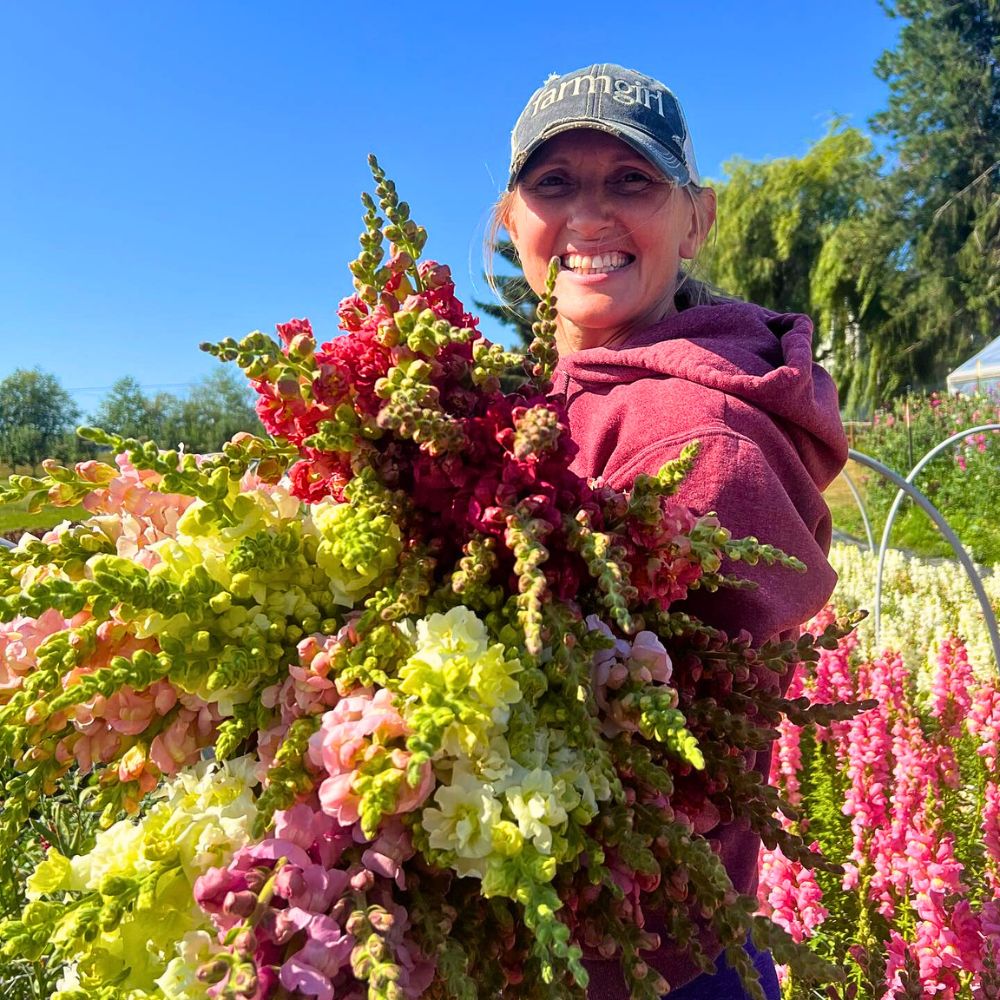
{"points": [[601, 263]]}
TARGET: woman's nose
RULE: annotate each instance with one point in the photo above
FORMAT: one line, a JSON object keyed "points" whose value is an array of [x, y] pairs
{"points": [[590, 212]]}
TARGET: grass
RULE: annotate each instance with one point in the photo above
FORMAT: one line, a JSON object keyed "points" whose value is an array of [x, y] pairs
{"points": [[14, 517]]}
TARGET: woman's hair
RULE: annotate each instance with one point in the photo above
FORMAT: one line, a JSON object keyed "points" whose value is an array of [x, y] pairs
{"points": [[690, 289]]}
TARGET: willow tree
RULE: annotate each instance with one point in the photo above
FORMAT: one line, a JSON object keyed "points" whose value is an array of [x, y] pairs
{"points": [[791, 237]]}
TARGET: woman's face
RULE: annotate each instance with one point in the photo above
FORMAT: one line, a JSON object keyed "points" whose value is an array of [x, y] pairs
{"points": [[585, 195]]}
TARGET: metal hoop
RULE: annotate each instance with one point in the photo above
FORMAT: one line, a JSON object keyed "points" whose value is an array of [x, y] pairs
{"points": [[856, 493], [908, 489], [894, 510]]}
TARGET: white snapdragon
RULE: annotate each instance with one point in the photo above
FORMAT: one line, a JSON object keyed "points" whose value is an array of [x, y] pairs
{"points": [[538, 803], [462, 821]]}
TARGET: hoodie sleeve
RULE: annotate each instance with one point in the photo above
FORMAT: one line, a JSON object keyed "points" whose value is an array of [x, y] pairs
{"points": [[759, 489]]}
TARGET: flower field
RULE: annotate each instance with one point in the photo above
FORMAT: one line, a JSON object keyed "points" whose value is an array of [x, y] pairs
{"points": [[905, 795]]}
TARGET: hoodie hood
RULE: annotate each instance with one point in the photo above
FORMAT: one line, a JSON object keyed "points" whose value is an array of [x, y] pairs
{"points": [[739, 349]]}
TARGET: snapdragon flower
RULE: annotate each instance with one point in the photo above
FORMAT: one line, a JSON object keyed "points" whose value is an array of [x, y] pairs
{"points": [[462, 821], [538, 803], [140, 875], [455, 668]]}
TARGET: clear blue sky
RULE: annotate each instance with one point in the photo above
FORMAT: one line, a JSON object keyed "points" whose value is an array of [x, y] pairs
{"points": [[173, 172]]}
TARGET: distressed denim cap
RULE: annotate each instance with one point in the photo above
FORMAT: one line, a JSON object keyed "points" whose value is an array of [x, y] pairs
{"points": [[636, 108]]}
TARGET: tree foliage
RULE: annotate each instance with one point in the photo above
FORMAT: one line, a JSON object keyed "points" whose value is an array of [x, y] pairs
{"points": [[776, 216], [37, 417], [943, 205], [518, 301], [216, 408], [128, 411], [791, 236]]}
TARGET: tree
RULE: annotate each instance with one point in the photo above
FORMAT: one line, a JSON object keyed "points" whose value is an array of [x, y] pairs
{"points": [[775, 217], [216, 408], [37, 418], [128, 411], [520, 301], [943, 211], [788, 238]]}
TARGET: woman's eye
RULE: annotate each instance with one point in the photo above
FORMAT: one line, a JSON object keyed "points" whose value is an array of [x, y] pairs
{"points": [[550, 181], [634, 180]]}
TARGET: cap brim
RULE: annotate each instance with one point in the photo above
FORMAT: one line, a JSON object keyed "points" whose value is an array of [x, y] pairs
{"points": [[643, 143]]}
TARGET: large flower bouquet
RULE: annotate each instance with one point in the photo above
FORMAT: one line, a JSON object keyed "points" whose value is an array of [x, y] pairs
{"points": [[390, 704]]}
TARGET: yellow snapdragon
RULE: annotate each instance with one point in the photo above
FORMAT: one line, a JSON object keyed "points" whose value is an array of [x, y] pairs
{"points": [[203, 817], [455, 664], [356, 548]]}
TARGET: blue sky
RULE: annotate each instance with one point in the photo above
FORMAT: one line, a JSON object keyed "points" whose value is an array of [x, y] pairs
{"points": [[179, 172]]}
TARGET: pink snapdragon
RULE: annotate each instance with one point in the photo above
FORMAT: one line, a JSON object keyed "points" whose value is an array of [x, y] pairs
{"points": [[19, 642], [991, 834], [330, 892], [983, 722], [952, 686], [786, 753], [135, 515], [643, 660], [902, 776], [663, 567], [130, 712], [790, 895], [181, 742], [352, 734], [869, 774], [831, 679]]}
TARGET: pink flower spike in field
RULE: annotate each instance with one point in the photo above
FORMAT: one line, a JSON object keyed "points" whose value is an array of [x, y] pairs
{"points": [[984, 722], [952, 687], [790, 895]]}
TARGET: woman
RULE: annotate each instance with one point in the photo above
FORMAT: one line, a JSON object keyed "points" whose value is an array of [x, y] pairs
{"points": [[603, 177]]}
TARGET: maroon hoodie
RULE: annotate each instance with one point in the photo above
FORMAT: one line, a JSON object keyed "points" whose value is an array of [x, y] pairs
{"points": [[741, 381]]}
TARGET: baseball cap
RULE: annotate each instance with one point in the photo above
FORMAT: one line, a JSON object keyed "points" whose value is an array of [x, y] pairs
{"points": [[630, 105]]}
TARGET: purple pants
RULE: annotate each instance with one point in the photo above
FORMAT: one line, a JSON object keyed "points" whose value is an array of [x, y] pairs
{"points": [[725, 983]]}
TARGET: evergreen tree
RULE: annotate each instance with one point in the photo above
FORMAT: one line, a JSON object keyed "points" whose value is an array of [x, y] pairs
{"points": [[943, 210], [520, 301]]}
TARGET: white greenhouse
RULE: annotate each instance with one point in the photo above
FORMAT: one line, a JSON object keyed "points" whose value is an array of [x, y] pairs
{"points": [[981, 373]]}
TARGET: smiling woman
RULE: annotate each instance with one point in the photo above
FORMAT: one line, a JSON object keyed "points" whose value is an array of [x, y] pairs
{"points": [[619, 227], [603, 177]]}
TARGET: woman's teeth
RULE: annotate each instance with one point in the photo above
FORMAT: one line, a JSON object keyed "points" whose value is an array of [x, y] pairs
{"points": [[598, 264]]}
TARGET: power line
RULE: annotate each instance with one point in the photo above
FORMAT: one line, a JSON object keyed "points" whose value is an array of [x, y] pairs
{"points": [[157, 385]]}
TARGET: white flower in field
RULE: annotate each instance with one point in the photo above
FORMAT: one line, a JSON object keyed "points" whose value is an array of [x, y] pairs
{"points": [[923, 602]]}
